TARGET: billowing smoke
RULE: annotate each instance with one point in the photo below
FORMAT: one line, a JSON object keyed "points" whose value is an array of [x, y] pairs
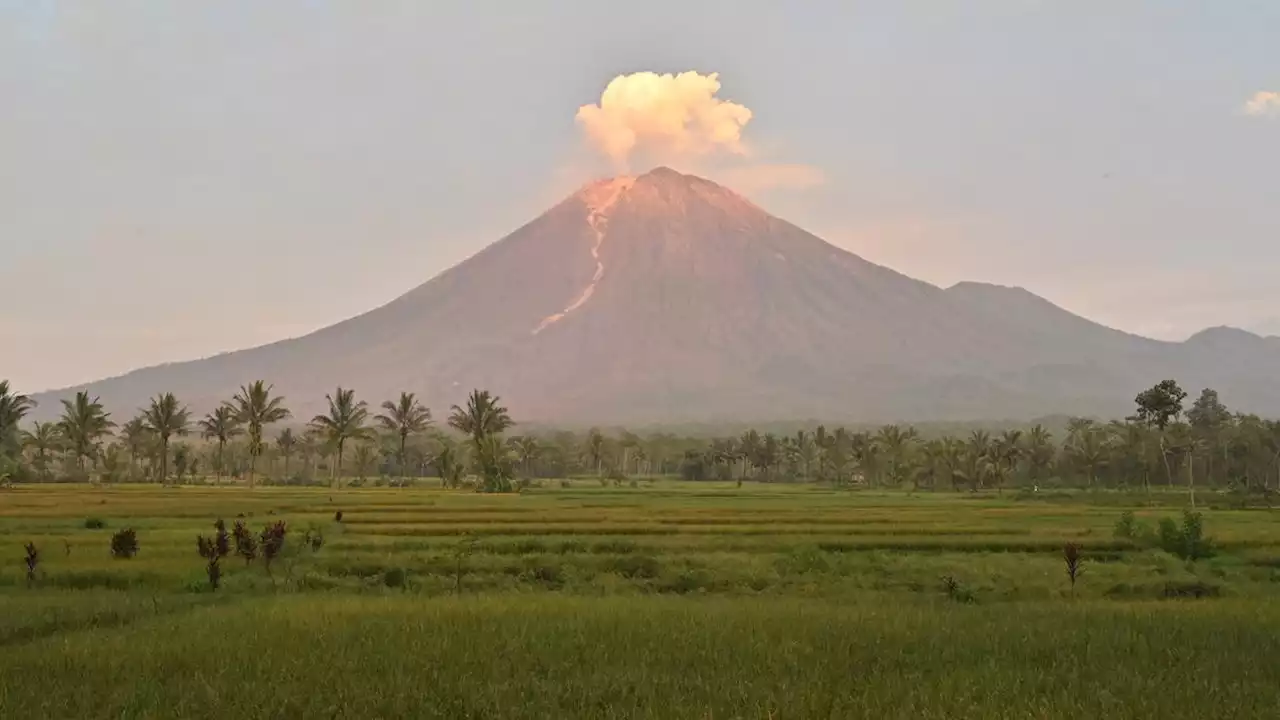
{"points": [[664, 117]]}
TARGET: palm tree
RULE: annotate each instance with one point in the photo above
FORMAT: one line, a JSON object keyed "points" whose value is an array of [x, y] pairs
{"points": [[483, 419], [286, 443], [595, 450], [13, 407], [404, 417], [1040, 452], [136, 438], [345, 421], [83, 424], [42, 439], [363, 458], [1088, 451], [165, 418], [895, 443], [220, 425], [449, 464], [527, 451], [254, 408]]}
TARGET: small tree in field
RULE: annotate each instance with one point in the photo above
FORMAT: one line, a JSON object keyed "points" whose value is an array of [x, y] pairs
{"points": [[1075, 563], [214, 549], [33, 559], [124, 544], [272, 543], [246, 545]]}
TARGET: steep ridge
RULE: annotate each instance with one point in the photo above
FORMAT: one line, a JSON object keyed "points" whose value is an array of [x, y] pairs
{"points": [[668, 298]]}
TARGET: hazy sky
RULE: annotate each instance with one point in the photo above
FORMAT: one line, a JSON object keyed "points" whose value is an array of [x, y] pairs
{"points": [[181, 178]]}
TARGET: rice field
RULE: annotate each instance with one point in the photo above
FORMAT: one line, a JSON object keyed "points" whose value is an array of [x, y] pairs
{"points": [[664, 600]]}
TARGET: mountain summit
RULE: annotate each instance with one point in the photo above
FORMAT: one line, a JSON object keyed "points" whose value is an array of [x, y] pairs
{"points": [[666, 297]]}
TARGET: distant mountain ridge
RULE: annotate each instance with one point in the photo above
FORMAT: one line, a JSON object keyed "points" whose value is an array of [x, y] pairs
{"points": [[666, 298]]}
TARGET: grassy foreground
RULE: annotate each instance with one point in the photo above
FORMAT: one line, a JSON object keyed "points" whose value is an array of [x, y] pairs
{"points": [[662, 601]]}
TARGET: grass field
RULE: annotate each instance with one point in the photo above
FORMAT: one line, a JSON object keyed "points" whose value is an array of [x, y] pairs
{"points": [[668, 600]]}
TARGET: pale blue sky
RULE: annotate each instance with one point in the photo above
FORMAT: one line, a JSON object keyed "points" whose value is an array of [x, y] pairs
{"points": [[180, 178]]}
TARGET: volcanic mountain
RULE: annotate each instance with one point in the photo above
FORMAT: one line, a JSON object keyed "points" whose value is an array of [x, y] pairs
{"points": [[666, 298]]}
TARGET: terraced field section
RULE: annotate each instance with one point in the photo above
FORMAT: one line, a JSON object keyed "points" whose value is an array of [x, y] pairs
{"points": [[661, 600]]}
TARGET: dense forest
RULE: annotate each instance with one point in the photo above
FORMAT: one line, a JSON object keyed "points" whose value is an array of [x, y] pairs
{"points": [[253, 438]]}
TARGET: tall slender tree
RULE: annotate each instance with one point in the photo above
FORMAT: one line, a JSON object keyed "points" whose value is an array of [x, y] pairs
{"points": [[345, 421], [220, 425], [83, 424], [42, 440], [286, 444], [254, 408], [166, 418], [14, 406], [404, 418]]}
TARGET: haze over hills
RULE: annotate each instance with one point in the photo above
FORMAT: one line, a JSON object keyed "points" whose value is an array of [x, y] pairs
{"points": [[668, 298]]}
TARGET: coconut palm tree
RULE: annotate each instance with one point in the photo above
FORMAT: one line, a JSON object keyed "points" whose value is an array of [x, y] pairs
{"points": [[344, 422], [483, 416], [527, 450], [286, 443], [254, 408], [595, 450], [1089, 452], [449, 464], [165, 418], [42, 440], [83, 424], [220, 425], [404, 418], [1039, 452], [363, 457], [13, 407], [137, 440]]}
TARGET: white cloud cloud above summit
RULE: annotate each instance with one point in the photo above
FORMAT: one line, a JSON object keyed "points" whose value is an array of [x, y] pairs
{"points": [[1264, 104]]}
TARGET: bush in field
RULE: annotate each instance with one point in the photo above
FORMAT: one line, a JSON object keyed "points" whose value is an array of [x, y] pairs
{"points": [[214, 549], [124, 544], [94, 523], [33, 559], [956, 591], [1128, 527], [272, 540], [246, 545], [1188, 541]]}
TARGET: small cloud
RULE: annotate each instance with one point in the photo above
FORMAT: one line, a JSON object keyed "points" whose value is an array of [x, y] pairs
{"points": [[760, 177], [1264, 103]]}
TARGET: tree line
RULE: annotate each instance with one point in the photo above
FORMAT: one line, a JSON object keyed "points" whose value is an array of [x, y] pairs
{"points": [[1164, 442]]}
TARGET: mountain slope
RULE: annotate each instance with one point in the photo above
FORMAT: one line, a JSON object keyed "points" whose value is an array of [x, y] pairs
{"points": [[668, 298]]}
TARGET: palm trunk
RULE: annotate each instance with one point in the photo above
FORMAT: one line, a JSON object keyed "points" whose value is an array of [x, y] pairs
{"points": [[164, 460]]}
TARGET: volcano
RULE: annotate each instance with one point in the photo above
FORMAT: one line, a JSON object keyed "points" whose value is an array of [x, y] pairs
{"points": [[668, 298]]}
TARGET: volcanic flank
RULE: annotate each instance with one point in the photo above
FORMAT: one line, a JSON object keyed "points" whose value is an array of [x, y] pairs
{"points": [[666, 297]]}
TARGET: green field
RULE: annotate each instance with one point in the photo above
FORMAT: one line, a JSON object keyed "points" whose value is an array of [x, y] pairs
{"points": [[665, 600]]}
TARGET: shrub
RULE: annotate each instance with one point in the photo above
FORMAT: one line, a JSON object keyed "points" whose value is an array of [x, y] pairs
{"points": [[246, 545], [33, 559], [124, 544], [214, 549], [1188, 541], [635, 566], [94, 523], [1127, 527], [313, 539], [957, 592], [273, 542]]}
